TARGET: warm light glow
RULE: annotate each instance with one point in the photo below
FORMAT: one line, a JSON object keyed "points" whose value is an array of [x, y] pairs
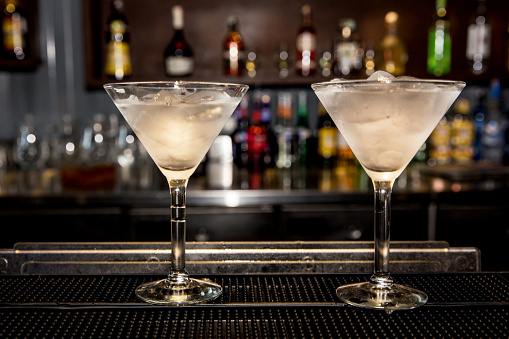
{"points": [[346, 32], [391, 17]]}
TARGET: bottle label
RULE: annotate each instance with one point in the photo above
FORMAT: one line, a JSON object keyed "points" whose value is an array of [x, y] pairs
{"points": [[178, 66], [327, 142], [118, 59], [13, 31], [478, 41], [306, 41], [257, 140], [346, 56]]}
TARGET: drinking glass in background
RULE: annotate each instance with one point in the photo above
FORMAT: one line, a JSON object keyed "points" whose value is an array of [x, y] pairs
{"points": [[134, 167], [31, 153]]}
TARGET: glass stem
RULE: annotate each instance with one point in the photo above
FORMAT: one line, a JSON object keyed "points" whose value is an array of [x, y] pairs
{"points": [[178, 273], [381, 277]]}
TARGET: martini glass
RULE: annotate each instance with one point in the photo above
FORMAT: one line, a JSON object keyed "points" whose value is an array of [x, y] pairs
{"points": [[385, 121], [177, 123]]}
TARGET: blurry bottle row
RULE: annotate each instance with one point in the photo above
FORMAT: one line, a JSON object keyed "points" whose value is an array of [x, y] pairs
{"points": [[268, 131], [468, 133], [346, 56]]}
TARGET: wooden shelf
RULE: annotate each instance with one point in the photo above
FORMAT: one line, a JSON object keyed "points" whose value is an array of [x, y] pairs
{"points": [[262, 26]]}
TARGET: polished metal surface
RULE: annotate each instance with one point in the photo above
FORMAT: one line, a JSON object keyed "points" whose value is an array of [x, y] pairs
{"points": [[234, 257]]}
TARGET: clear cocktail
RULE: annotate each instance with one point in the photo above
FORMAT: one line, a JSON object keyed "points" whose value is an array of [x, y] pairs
{"points": [[177, 123], [385, 120]]}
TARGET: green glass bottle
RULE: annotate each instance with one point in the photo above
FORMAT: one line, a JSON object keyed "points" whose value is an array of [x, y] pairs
{"points": [[439, 42]]}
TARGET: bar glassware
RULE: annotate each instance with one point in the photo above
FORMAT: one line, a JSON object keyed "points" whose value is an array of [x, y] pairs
{"points": [[385, 120], [177, 123]]}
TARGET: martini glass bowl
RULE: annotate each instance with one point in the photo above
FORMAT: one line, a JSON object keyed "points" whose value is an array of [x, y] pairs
{"points": [[177, 123], [385, 121]]}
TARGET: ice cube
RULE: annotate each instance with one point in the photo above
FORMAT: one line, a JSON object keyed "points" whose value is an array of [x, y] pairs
{"points": [[389, 161], [381, 76], [144, 94], [165, 97], [205, 97], [214, 112], [407, 78]]}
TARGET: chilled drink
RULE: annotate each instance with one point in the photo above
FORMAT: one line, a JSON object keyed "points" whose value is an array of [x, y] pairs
{"points": [[177, 133], [385, 134], [385, 120], [177, 123]]}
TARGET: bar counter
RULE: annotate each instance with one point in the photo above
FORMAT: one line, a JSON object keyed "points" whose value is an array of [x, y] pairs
{"points": [[460, 305], [441, 203]]}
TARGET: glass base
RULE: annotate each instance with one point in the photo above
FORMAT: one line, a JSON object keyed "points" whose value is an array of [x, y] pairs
{"points": [[389, 298], [166, 292]]}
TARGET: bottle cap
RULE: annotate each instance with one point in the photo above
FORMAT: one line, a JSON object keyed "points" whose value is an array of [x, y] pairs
{"points": [[178, 17]]}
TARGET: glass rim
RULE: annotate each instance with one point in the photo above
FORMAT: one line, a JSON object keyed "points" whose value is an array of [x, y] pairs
{"points": [[346, 82], [175, 84]]}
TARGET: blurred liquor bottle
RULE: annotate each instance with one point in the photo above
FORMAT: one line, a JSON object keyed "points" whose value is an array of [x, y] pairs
{"points": [[284, 130], [347, 51], [346, 158], [233, 49], [14, 32], [462, 132], [252, 63], [239, 136], [369, 59], [494, 125], [269, 156], [178, 55], [440, 143], [257, 136], [303, 131], [327, 139], [118, 50], [507, 44], [326, 61], [393, 54], [439, 42], [479, 117], [283, 60], [479, 40], [305, 62]]}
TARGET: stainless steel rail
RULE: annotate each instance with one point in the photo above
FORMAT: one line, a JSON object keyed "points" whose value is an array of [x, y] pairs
{"points": [[234, 257]]}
